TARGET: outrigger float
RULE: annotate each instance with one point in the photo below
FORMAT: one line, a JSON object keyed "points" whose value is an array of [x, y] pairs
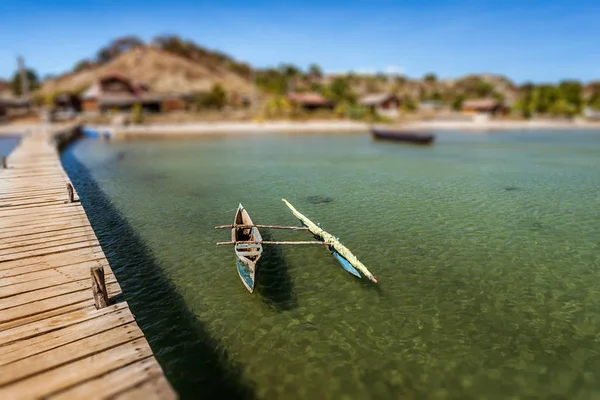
{"points": [[247, 242]]}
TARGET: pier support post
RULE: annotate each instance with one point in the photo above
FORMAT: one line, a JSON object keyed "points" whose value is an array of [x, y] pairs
{"points": [[3, 163], [70, 192], [99, 287]]}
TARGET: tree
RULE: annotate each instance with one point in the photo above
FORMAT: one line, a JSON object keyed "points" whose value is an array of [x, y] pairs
{"points": [[117, 47], [289, 70], [408, 104], [457, 102], [436, 96], [371, 84], [430, 78], [32, 79], [272, 80], [216, 98], [526, 105], [483, 88], [340, 91], [315, 72], [290, 73], [572, 93], [83, 65], [594, 101], [219, 97]]}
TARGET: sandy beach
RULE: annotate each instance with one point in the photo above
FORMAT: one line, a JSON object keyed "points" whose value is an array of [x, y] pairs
{"points": [[500, 125], [164, 131], [288, 127], [233, 128]]}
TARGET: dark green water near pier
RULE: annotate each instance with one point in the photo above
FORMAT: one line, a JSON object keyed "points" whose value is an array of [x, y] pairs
{"points": [[487, 248]]}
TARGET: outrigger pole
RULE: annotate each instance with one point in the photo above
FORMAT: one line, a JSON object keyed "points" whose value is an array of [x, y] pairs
{"points": [[230, 243], [294, 228]]}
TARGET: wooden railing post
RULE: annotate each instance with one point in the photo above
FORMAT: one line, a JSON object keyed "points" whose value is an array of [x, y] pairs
{"points": [[70, 192], [99, 287], [3, 162]]}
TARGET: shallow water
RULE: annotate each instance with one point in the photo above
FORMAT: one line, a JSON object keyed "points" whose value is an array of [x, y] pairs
{"points": [[486, 247], [7, 144]]}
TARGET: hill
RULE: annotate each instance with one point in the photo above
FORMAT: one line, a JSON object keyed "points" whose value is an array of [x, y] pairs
{"points": [[163, 71], [4, 88]]}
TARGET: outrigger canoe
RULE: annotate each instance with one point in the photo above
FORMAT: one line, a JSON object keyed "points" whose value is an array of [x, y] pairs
{"points": [[340, 252], [248, 247]]}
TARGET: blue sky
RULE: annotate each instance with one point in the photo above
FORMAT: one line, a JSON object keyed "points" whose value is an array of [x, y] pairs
{"points": [[525, 40]]}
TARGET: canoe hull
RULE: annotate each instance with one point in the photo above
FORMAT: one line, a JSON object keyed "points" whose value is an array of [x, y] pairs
{"points": [[403, 136], [248, 248], [344, 263], [340, 258], [247, 272]]}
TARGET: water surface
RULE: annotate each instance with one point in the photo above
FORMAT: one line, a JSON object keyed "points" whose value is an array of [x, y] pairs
{"points": [[486, 247], [7, 144]]}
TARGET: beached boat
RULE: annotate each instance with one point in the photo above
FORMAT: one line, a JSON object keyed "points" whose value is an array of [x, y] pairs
{"points": [[403, 135], [248, 247], [340, 252]]}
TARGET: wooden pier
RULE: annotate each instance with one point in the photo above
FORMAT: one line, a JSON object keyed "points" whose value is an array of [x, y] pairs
{"points": [[57, 338]]}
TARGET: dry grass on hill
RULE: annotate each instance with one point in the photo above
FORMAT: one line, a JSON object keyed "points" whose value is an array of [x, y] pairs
{"points": [[163, 71]]}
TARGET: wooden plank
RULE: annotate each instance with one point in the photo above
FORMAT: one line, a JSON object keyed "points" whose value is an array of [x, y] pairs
{"points": [[55, 339], [45, 235], [34, 206], [14, 218], [43, 229], [154, 388], [82, 305], [46, 241], [52, 190], [15, 248], [51, 261], [28, 202], [40, 306], [68, 272], [34, 214], [72, 273], [45, 293], [55, 322], [16, 228], [66, 376], [115, 382], [24, 255], [69, 352]]}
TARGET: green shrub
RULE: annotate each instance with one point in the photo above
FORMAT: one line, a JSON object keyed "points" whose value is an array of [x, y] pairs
{"points": [[216, 98], [137, 114]]}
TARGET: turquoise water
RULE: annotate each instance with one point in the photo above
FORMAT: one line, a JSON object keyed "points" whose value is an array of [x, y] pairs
{"points": [[7, 144], [487, 249]]}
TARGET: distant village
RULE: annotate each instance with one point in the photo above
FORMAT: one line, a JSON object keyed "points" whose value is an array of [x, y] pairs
{"points": [[132, 80]]}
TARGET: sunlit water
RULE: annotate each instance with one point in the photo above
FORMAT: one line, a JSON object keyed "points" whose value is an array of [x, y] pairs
{"points": [[7, 144], [487, 248]]}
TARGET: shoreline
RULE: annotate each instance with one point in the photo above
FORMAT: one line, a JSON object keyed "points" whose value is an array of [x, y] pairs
{"points": [[490, 126], [190, 130], [227, 128]]}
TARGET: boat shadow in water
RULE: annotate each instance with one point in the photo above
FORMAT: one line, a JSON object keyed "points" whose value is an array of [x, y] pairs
{"points": [[274, 282], [196, 364]]}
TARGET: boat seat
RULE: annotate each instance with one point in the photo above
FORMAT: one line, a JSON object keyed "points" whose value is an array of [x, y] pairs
{"points": [[247, 245], [250, 253]]}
